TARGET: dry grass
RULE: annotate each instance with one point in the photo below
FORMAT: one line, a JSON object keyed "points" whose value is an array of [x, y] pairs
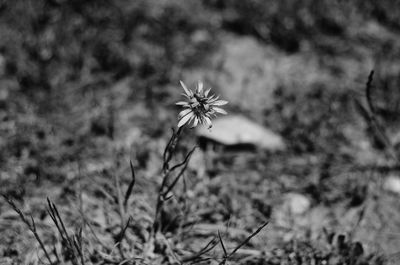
{"points": [[86, 116]]}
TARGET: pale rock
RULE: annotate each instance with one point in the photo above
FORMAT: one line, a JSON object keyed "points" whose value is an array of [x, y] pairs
{"points": [[392, 183], [197, 163], [238, 130], [297, 203], [246, 72]]}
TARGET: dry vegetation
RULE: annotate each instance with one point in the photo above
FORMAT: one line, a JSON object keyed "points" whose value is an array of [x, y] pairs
{"points": [[87, 103]]}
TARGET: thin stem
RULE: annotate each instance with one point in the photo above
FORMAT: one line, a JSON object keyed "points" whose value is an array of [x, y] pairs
{"points": [[168, 153], [31, 226]]}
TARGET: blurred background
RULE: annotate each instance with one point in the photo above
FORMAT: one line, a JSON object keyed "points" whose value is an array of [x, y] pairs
{"points": [[86, 86]]}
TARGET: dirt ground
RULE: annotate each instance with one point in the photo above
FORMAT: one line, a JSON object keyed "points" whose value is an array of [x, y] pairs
{"points": [[88, 86]]}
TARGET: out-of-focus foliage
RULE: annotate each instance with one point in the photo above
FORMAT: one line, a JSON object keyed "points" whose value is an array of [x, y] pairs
{"points": [[47, 44], [287, 23]]}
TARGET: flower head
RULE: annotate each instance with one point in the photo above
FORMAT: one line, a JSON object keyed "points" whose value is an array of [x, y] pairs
{"points": [[200, 106]]}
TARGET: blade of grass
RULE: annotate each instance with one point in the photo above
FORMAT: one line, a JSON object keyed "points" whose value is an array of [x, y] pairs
{"points": [[248, 238], [131, 185], [31, 226], [222, 245]]}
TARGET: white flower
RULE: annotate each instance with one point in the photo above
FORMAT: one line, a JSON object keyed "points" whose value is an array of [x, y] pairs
{"points": [[200, 107]]}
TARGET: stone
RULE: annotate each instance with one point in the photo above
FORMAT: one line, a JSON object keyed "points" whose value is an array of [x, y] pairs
{"points": [[392, 184], [297, 203], [238, 130]]}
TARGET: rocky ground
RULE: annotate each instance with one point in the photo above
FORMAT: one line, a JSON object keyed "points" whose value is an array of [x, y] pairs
{"points": [[77, 105]]}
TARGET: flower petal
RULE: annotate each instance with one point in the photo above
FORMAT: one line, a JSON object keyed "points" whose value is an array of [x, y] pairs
{"points": [[188, 92], [195, 122], [181, 103], [212, 99], [193, 116], [199, 87], [184, 113], [207, 91], [185, 119], [208, 122], [219, 102], [219, 110]]}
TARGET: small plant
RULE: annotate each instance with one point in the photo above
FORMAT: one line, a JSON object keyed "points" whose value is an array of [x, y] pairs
{"points": [[72, 248], [369, 113], [199, 109], [31, 226]]}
